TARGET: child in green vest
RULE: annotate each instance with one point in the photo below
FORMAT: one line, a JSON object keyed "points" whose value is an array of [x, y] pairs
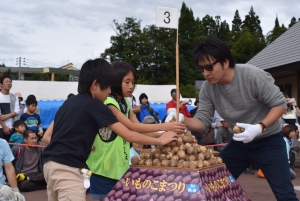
{"points": [[109, 158]]}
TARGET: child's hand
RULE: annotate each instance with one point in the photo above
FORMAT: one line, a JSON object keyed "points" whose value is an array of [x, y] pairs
{"points": [[40, 134], [167, 137], [175, 127]]}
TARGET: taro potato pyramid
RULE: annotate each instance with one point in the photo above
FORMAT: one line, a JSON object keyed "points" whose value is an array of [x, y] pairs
{"points": [[183, 153]]}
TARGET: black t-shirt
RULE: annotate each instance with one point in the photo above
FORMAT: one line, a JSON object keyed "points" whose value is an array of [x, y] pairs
{"points": [[76, 124]]}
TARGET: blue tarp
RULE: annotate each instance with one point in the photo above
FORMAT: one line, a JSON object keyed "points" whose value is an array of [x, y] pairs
{"points": [[48, 110]]}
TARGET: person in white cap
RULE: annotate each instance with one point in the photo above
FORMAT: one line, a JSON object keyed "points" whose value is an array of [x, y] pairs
{"points": [[21, 103]]}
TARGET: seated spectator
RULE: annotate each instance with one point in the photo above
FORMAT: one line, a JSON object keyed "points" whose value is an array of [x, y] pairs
{"points": [[145, 109], [173, 104], [29, 164], [11, 192], [20, 128], [224, 135], [135, 150], [31, 119], [149, 120], [289, 132]]}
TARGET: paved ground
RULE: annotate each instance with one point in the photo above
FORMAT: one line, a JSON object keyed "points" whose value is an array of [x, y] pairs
{"points": [[256, 188]]}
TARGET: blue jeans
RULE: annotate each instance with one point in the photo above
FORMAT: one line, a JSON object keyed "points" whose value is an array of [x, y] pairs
{"points": [[269, 153], [101, 186]]}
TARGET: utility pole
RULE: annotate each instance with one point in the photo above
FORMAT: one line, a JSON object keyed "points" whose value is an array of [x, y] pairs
{"points": [[19, 68], [18, 61]]}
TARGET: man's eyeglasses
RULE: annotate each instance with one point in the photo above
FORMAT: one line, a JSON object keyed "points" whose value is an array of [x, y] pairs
{"points": [[208, 67]]}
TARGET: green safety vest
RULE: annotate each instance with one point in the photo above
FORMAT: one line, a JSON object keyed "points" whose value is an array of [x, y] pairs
{"points": [[108, 159]]}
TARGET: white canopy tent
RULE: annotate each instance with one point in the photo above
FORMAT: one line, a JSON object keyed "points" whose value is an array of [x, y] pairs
{"points": [[47, 90]]}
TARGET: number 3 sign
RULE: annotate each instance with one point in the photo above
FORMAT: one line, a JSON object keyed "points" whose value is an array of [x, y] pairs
{"points": [[166, 17]]}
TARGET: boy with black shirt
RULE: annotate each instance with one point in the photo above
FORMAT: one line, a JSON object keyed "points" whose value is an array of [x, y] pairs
{"points": [[76, 124]]}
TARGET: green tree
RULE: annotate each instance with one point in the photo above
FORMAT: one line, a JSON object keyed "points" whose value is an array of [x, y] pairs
{"points": [[209, 25], [236, 28], [7, 72], [224, 33], [293, 21], [250, 26], [157, 56], [2, 65], [245, 48], [276, 32], [37, 77], [189, 91], [61, 77], [151, 51], [189, 34], [126, 42]]}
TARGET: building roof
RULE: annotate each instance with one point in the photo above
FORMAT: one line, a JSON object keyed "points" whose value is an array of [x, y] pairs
{"points": [[282, 51], [69, 66], [66, 69]]}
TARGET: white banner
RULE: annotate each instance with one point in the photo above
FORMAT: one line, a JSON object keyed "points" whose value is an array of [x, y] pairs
{"points": [[166, 17]]}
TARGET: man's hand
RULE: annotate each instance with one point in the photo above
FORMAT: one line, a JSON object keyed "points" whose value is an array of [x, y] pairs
{"points": [[218, 125], [6, 130], [172, 117], [6, 192], [251, 131], [167, 137], [3, 117], [17, 195], [40, 134]]}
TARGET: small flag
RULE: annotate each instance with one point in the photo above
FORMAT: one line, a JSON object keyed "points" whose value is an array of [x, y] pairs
{"points": [[166, 17]]}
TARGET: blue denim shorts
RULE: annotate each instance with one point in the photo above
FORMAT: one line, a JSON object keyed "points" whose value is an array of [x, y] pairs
{"points": [[101, 186]]}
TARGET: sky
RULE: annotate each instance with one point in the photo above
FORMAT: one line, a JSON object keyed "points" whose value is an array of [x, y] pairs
{"points": [[54, 33]]}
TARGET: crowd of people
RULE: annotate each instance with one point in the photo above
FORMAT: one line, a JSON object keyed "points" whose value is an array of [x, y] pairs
{"points": [[96, 132]]}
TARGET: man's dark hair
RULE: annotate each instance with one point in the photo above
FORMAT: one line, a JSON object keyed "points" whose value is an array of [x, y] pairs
{"points": [[121, 69], [30, 101], [97, 69], [3, 77], [27, 132], [212, 48], [18, 123], [173, 91], [70, 95]]}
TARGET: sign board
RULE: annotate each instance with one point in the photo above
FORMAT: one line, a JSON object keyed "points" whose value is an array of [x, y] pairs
{"points": [[150, 184], [166, 17]]}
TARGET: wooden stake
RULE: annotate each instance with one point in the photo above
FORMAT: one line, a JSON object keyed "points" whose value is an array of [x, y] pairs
{"points": [[177, 80]]}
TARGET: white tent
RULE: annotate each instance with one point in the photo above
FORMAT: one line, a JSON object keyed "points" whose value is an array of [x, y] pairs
{"points": [[47, 90]]}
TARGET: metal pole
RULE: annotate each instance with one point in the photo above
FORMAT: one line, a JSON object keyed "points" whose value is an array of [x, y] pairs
{"points": [[19, 68]]}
